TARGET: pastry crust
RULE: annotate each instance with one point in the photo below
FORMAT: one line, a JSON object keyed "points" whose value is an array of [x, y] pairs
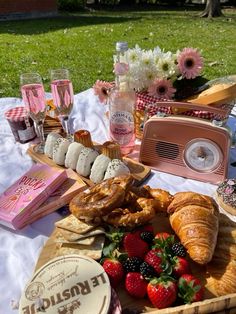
{"points": [[100, 199], [195, 219], [222, 268]]}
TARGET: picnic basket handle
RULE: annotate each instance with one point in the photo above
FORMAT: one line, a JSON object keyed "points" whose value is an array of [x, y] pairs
{"points": [[185, 106]]}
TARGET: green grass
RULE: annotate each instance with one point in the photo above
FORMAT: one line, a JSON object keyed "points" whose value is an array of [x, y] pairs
{"points": [[84, 43]]}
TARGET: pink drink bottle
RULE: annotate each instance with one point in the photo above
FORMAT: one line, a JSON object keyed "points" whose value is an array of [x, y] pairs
{"points": [[122, 103]]}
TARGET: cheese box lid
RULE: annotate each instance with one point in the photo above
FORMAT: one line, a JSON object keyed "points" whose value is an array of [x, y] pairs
{"points": [[67, 284]]}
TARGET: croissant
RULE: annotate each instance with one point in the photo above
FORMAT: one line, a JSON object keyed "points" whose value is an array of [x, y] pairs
{"points": [[222, 268], [195, 219]]}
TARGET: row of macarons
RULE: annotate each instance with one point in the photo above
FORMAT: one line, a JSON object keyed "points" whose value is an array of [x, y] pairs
{"points": [[81, 155]]}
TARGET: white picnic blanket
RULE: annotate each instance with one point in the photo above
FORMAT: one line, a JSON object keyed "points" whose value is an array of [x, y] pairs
{"points": [[19, 250]]}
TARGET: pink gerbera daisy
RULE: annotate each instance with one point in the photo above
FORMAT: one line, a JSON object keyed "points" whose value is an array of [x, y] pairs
{"points": [[101, 89], [190, 63], [162, 89]]}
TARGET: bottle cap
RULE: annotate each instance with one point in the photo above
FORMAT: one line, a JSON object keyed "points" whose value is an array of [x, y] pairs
{"points": [[121, 46]]}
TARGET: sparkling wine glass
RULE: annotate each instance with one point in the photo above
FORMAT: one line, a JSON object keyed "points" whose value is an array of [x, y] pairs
{"points": [[63, 96], [33, 95]]}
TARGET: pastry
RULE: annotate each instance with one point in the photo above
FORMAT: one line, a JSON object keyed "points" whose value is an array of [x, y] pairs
{"points": [[83, 137], [222, 268], [226, 195], [109, 150], [195, 219], [59, 151], [72, 155], [116, 168], [99, 168], [85, 161], [100, 199], [50, 142], [139, 213]]}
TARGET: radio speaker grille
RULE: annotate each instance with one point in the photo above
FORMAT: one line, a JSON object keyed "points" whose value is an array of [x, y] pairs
{"points": [[160, 151]]}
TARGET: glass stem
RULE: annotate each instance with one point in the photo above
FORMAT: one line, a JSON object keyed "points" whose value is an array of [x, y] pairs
{"points": [[40, 132], [66, 126]]}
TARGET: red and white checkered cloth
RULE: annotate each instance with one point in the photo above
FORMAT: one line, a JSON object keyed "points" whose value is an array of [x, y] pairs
{"points": [[147, 102], [16, 114]]}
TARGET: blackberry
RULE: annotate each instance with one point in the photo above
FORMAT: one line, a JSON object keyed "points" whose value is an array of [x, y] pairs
{"points": [[147, 270], [178, 249], [132, 264], [147, 236]]}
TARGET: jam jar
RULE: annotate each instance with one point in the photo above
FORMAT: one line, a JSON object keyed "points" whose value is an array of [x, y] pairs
{"points": [[22, 126]]}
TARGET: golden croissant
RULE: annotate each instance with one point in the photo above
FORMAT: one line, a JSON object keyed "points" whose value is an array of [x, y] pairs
{"points": [[195, 219]]}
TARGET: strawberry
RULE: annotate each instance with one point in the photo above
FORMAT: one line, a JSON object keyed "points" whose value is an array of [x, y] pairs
{"points": [[158, 260], [162, 235], [190, 288], [162, 292], [136, 285], [180, 266], [134, 245], [114, 270]]}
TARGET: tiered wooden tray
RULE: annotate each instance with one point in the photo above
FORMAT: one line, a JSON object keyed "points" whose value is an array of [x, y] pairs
{"points": [[212, 304], [139, 171]]}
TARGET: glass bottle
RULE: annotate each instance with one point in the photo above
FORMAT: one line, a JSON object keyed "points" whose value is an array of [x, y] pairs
{"points": [[122, 103]]}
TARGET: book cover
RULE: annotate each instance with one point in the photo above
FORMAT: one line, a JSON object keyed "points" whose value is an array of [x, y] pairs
{"points": [[60, 197], [19, 201]]}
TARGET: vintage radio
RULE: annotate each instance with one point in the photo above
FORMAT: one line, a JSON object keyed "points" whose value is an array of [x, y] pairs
{"points": [[189, 147]]}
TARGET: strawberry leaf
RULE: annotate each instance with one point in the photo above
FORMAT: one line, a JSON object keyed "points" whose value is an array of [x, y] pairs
{"points": [[109, 249]]}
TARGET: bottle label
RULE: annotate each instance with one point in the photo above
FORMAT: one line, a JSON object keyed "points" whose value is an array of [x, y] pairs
{"points": [[122, 127], [121, 68], [27, 134]]}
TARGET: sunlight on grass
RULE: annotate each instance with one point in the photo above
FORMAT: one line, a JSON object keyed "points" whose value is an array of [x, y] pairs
{"points": [[84, 43]]}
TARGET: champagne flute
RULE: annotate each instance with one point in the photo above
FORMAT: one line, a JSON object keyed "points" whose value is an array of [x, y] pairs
{"points": [[33, 95], [63, 96]]}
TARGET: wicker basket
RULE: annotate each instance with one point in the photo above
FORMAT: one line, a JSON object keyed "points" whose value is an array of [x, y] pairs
{"points": [[146, 106]]}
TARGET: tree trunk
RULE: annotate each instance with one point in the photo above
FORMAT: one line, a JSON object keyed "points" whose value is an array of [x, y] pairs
{"points": [[212, 9]]}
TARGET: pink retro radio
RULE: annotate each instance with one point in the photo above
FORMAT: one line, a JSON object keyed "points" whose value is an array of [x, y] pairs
{"points": [[189, 147]]}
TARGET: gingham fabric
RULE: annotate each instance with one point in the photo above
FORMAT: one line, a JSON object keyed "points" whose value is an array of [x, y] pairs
{"points": [[147, 102], [16, 114]]}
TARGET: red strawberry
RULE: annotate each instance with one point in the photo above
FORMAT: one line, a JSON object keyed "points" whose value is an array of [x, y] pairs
{"points": [[134, 245], [114, 270], [162, 235], [163, 240], [162, 292], [136, 285], [157, 259], [190, 288], [180, 266]]}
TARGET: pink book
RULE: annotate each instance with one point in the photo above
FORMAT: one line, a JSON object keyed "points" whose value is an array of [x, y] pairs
{"points": [[19, 201]]}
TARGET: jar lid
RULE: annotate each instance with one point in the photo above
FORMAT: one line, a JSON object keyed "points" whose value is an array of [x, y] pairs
{"points": [[68, 284], [16, 114]]}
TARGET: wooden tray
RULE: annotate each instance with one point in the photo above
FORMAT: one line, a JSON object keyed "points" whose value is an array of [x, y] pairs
{"points": [[139, 171], [211, 304]]}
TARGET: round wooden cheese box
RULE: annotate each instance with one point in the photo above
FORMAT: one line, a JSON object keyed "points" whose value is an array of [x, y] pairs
{"points": [[67, 284]]}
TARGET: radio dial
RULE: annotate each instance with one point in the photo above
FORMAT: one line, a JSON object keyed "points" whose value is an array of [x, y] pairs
{"points": [[202, 155]]}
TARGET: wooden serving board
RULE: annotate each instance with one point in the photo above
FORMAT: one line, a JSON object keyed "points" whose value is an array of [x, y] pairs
{"points": [[211, 304], [139, 171]]}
